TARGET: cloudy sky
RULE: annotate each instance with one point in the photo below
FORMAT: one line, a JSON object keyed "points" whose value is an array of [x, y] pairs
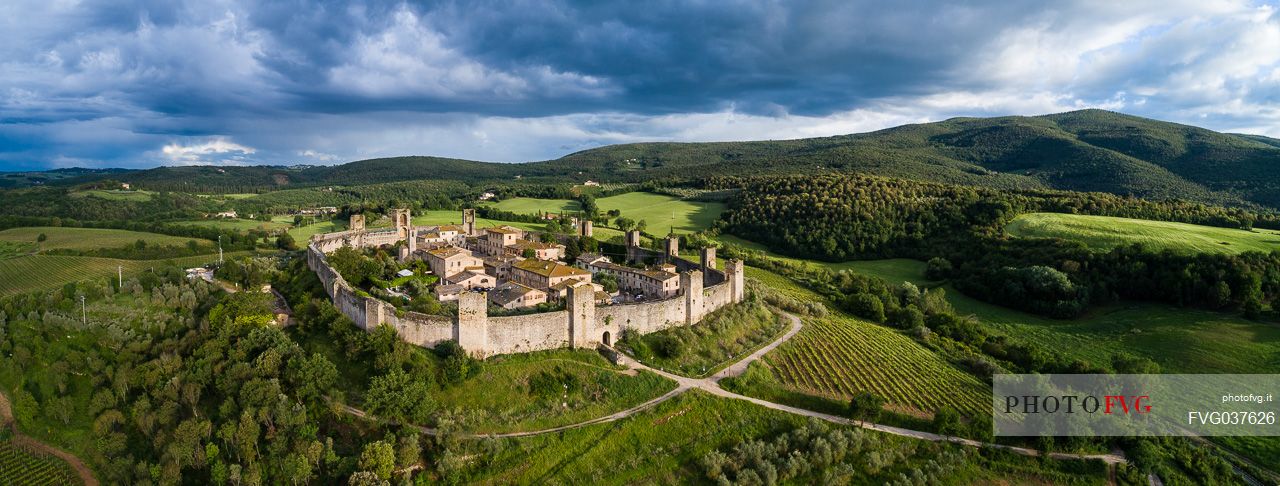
{"points": [[139, 83]]}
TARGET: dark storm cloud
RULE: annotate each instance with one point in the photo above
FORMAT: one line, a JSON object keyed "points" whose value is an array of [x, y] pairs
{"points": [[138, 83]]}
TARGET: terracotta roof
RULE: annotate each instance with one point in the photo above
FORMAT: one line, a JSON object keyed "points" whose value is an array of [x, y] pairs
{"points": [[509, 292], [548, 268], [504, 229], [449, 251], [460, 277], [651, 273], [448, 289], [450, 227], [522, 244]]}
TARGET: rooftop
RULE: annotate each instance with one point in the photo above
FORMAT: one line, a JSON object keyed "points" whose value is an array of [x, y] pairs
{"points": [[504, 229], [509, 292], [449, 251], [548, 268]]}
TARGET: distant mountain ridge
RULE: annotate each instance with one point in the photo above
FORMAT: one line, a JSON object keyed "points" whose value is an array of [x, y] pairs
{"points": [[1087, 150]]}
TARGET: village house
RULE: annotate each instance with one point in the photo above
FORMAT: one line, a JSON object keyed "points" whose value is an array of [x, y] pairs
{"points": [[660, 282], [448, 292], [512, 295], [542, 274], [449, 260], [495, 240], [472, 279]]}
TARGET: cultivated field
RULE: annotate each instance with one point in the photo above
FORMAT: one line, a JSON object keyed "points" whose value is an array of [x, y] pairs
{"points": [[1103, 233], [836, 356], [238, 224], [39, 272], [19, 466], [659, 211], [90, 238], [303, 233]]}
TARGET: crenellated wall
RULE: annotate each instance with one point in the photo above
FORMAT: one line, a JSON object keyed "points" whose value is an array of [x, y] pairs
{"points": [[583, 324]]}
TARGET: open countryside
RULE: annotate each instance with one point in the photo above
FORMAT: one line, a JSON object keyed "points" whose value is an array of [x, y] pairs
{"points": [[91, 238], [1105, 232]]}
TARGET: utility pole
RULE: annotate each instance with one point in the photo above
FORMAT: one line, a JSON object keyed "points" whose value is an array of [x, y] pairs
{"points": [[219, 249], [84, 314], [120, 276]]}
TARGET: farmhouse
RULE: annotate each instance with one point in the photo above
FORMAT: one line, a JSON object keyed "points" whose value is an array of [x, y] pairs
{"points": [[472, 280]]}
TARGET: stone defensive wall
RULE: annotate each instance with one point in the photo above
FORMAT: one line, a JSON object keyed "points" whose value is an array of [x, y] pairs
{"points": [[583, 323]]}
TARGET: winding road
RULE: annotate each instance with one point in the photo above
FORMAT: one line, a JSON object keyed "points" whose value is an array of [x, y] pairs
{"points": [[712, 385]]}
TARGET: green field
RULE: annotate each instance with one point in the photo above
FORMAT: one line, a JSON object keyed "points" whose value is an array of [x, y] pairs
{"points": [[1104, 233], [303, 233], [667, 444], [20, 466], [1180, 340], [836, 356], [443, 216], [661, 212], [115, 194], [39, 272], [90, 238], [502, 397], [237, 224]]}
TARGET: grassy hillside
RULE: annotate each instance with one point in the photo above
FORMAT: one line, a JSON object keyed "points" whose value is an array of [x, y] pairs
{"points": [[90, 238], [1087, 150], [1104, 233], [661, 212], [1180, 340]]}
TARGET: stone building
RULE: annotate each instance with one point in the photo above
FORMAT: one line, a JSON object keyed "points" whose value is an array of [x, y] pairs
{"points": [[450, 260], [653, 283], [542, 274], [472, 279], [512, 295]]}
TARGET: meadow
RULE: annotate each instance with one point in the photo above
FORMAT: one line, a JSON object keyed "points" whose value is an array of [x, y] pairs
{"points": [[40, 272], [542, 390], [442, 216], [660, 212], [90, 238], [115, 194], [238, 224], [1104, 232]]}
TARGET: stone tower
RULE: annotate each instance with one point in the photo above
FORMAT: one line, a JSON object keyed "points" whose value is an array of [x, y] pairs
{"points": [[584, 228], [734, 273], [357, 222], [582, 315], [472, 329], [671, 246], [633, 238], [402, 222], [708, 258], [691, 285], [469, 221]]}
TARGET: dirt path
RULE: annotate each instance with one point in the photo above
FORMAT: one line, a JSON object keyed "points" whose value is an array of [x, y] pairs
{"points": [[712, 385], [6, 419]]}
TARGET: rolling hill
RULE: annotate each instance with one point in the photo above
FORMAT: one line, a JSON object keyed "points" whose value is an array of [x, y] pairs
{"points": [[1087, 150]]}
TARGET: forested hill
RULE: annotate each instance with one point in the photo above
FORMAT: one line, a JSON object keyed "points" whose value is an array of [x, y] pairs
{"points": [[1088, 150]]}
